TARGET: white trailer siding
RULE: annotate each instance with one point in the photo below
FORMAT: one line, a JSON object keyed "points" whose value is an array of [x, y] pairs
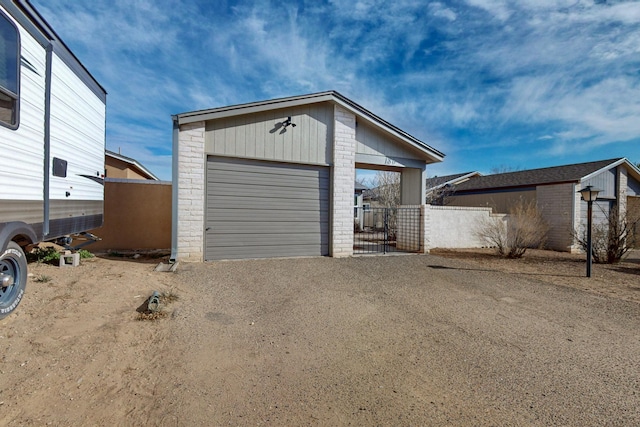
{"points": [[61, 114], [21, 150], [77, 135]]}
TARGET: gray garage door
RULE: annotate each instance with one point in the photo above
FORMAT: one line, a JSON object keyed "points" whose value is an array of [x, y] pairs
{"points": [[262, 209]]}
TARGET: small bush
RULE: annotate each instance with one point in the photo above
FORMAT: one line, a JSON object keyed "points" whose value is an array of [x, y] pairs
{"points": [[523, 228], [611, 240], [46, 254], [84, 254]]}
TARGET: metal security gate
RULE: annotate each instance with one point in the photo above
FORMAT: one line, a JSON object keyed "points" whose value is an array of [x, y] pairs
{"points": [[384, 230]]}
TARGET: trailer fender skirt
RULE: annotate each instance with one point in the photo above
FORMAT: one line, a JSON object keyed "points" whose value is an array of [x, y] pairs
{"points": [[9, 230]]}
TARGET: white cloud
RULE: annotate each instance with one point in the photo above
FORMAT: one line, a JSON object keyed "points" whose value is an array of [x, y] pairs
{"points": [[441, 11], [497, 8], [459, 75]]}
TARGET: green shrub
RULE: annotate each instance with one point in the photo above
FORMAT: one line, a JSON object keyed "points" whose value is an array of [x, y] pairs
{"points": [[47, 255], [84, 254]]}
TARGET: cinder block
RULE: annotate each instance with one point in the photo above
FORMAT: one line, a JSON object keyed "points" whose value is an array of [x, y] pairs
{"points": [[68, 259]]}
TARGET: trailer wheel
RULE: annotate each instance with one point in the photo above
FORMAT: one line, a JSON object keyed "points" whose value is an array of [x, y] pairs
{"points": [[13, 278]]}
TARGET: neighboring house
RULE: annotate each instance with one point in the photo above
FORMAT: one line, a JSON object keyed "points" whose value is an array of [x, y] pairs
{"points": [[441, 188], [555, 191], [358, 203], [276, 178], [119, 166], [137, 208]]}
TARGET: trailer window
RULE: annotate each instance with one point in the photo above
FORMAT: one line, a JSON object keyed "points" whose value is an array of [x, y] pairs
{"points": [[9, 71]]}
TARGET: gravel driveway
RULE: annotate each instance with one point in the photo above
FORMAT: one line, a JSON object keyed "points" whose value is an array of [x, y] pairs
{"points": [[404, 340], [366, 341]]}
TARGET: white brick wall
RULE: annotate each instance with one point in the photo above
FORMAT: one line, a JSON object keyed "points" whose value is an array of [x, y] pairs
{"points": [[344, 174], [454, 227], [191, 193]]}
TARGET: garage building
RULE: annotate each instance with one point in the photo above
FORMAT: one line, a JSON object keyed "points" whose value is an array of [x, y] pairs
{"points": [[276, 178]]}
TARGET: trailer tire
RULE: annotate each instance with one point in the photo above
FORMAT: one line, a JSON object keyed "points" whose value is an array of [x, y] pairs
{"points": [[13, 263]]}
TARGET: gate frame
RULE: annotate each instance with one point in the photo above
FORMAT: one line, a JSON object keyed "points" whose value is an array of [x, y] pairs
{"points": [[409, 227]]}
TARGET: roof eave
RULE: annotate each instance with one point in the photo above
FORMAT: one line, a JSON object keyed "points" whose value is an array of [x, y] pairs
{"points": [[604, 168], [432, 154], [132, 162]]}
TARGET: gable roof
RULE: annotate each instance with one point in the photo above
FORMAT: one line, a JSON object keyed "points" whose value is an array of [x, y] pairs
{"points": [[440, 181], [551, 175], [359, 186], [294, 101], [133, 163]]}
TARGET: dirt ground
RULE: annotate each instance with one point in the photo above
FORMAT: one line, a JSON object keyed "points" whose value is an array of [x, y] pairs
{"points": [[620, 280], [450, 338]]}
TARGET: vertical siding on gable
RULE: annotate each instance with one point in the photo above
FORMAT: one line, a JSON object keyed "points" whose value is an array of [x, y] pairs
{"points": [[259, 135], [373, 142], [605, 181]]}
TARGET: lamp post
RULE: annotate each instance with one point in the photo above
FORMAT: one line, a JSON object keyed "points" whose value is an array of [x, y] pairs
{"points": [[589, 195]]}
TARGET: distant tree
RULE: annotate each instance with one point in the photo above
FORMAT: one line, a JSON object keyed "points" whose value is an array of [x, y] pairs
{"points": [[386, 189], [362, 181], [441, 196]]}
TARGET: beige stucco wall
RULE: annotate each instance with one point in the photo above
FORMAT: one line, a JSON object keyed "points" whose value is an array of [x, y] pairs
{"points": [[118, 169], [499, 202], [137, 215]]}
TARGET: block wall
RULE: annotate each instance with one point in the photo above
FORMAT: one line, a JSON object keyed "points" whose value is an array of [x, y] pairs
{"points": [[191, 192], [561, 211], [344, 174]]}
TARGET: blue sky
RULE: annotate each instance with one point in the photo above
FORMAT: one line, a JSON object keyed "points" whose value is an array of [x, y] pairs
{"points": [[490, 83]]}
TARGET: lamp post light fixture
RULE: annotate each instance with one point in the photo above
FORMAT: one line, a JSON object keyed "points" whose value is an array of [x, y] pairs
{"points": [[589, 195]]}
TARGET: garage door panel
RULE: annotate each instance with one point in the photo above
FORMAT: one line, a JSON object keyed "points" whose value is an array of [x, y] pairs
{"points": [[264, 209], [285, 181], [274, 239], [250, 166], [266, 192], [282, 228], [265, 252], [240, 204], [260, 215]]}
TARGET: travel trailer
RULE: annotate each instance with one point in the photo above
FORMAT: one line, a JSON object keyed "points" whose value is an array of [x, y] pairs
{"points": [[52, 143]]}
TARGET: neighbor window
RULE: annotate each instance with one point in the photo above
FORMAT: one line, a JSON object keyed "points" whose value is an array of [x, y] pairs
{"points": [[9, 72]]}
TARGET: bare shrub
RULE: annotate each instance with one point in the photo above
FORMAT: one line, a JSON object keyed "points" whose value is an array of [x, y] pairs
{"points": [[523, 228], [387, 189], [612, 239]]}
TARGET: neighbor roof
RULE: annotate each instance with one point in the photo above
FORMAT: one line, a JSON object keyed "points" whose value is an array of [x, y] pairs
{"points": [[441, 181], [132, 162], [360, 187], [550, 175], [294, 101]]}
